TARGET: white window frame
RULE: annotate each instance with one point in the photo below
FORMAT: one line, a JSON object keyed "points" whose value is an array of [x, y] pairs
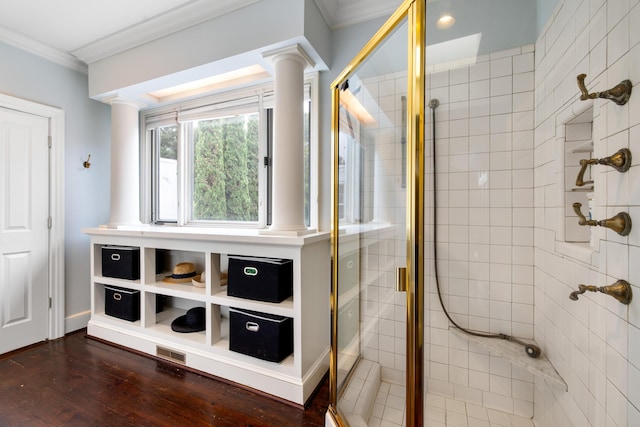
{"points": [[170, 114]]}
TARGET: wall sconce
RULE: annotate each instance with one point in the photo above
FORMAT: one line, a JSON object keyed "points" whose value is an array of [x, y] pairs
{"points": [[86, 163]]}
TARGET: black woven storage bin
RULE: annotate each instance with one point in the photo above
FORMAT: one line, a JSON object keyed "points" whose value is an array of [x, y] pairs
{"points": [[121, 262], [265, 336], [260, 279], [122, 303]]}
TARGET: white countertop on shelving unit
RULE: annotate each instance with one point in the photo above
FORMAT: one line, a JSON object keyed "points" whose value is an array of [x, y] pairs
{"points": [[206, 234]]}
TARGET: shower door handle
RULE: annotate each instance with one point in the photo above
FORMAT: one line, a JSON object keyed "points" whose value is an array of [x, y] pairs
{"points": [[401, 279]]}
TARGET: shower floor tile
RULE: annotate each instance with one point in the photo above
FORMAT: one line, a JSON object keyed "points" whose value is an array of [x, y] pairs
{"points": [[440, 412]]}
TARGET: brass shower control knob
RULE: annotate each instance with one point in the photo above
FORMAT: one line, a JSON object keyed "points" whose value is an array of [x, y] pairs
{"points": [[621, 290], [619, 94], [620, 161], [621, 223]]}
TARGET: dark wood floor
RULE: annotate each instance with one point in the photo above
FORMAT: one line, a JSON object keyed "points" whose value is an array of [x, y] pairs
{"points": [[77, 381]]}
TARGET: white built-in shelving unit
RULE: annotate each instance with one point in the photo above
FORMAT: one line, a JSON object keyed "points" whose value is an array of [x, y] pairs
{"points": [[293, 379]]}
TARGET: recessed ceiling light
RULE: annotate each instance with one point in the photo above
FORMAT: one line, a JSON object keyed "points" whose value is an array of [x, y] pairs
{"points": [[445, 21]]}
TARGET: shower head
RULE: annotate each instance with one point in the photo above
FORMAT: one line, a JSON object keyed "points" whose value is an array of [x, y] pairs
{"points": [[433, 104]]}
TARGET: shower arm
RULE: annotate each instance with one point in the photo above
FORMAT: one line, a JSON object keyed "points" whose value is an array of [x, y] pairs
{"points": [[620, 161], [621, 290]]}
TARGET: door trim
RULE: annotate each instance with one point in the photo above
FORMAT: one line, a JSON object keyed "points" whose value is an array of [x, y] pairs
{"points": [[56, 204]]}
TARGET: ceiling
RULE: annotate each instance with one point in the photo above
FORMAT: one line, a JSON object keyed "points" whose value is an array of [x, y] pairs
{"points": [[78, 32]]}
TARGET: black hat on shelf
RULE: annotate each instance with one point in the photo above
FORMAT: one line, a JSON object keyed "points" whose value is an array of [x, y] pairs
{"points": [[192, 321]]}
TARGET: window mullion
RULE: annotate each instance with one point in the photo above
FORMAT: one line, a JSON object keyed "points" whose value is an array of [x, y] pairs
{"points": [[154, 160], [184, 175], [263, 170]]}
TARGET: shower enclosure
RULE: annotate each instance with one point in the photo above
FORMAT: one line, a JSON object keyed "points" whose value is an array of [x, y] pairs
{"points": [[433, 166], [378, 162]]}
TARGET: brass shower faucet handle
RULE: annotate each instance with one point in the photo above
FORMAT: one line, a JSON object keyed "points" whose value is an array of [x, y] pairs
{"points": [[621, 223], [621, 290], [619, 94], [620, 161]]}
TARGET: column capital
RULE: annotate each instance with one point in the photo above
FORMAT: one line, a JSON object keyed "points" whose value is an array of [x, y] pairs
{"points": [[294, 51], [119, 99]]}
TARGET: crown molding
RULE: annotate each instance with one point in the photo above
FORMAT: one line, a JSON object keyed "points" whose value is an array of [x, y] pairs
{"points": [[328, 9], [363, 10], [356, 11], [47, 52], [183, 17]]}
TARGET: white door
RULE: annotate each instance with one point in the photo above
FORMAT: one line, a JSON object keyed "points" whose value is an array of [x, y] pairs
{"points": [[24, 231]]}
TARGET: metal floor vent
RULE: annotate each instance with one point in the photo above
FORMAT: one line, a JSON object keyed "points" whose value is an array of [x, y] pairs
{"points": [[172, 355]]}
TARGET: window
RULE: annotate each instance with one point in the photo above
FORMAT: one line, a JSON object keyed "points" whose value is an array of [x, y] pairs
{"points": [[210, 161], [166, 172], [223, 166]]}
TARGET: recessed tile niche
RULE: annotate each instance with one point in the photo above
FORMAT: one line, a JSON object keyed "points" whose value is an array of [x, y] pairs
{"points": [[578, 145]]}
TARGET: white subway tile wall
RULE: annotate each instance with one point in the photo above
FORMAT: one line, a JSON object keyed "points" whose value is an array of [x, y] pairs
{"points": [[594, 343], [485, 226]]}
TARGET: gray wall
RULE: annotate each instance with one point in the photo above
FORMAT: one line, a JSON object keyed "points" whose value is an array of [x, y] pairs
{"points": [[87, 128], [503, 23], [544, 9]]}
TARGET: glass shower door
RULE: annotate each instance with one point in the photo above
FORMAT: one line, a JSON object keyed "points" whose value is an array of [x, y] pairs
{"points": [[377, 185], [371, 244]]}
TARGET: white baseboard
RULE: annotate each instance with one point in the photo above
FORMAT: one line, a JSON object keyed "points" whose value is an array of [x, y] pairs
{"points": [[76, 321]]}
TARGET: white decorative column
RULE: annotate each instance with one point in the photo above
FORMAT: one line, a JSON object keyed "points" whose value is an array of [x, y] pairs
{"points": [[287, 210], [125, 162]]}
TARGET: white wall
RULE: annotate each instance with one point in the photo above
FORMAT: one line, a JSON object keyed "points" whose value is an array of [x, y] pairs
{"points": [[87, 126], [594, 342]]}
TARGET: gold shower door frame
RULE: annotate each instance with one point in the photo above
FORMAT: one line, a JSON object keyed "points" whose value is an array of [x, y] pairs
{"points": [[414, 11]]}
